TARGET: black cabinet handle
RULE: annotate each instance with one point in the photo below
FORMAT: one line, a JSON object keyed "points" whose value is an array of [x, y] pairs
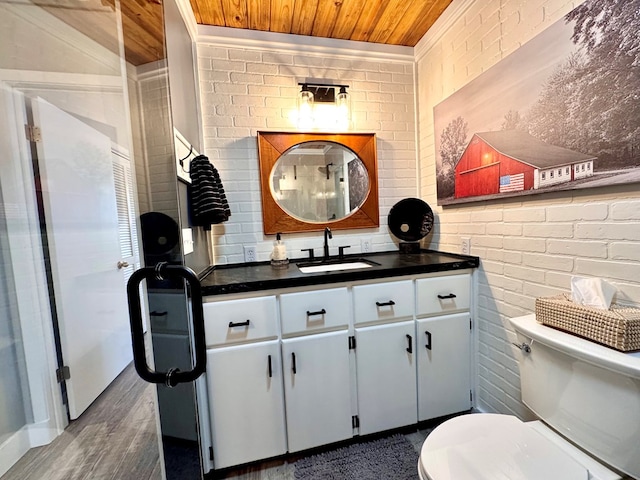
{"points": [[410, 343], [239, 324], [269, 363], [444, 297], [390, 303], [293, 363], [319, 312], [158, 314], [428, 345]]}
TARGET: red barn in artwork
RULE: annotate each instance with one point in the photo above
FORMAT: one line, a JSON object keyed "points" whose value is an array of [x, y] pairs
{"points": [[512, 160]]}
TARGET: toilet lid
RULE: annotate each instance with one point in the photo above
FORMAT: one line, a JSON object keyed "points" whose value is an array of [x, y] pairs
{"points": [[494, 447]]}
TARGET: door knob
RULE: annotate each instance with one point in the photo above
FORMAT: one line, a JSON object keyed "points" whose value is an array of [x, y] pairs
{"points": [[122, 265]]}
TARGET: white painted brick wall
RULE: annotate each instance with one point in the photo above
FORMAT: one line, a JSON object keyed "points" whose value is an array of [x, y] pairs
{"points": [[528, 247], [247, 90], [152, 100]]}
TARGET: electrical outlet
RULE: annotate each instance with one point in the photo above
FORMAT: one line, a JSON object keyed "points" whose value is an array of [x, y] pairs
{"points": [[249, 253], [465, 246], [365, 246]]}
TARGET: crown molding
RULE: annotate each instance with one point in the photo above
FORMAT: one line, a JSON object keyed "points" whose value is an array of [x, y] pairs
{"points": [[302, 44], [188, 17], [151, 71], [450, 16]]}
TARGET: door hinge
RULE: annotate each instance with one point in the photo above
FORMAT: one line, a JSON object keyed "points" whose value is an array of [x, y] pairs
{"points": [[32, 133], [211, 453], [352, 342], [62, 374], [470, 396], [355, 422], [470, 324]]}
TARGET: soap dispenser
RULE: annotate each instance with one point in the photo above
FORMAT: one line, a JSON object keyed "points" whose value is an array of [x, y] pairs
{"points": [[279, 254]]}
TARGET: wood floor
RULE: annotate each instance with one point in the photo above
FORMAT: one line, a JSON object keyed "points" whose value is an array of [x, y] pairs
{"points": [[114, 439]]}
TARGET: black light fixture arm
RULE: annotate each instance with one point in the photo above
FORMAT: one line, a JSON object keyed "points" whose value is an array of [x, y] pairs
{"points": [[323, 92]]}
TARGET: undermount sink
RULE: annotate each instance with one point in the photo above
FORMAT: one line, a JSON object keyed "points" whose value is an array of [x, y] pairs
{"points": [[336, 265]]}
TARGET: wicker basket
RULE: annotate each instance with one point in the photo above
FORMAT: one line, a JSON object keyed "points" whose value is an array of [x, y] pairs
{"points": [[618, 327]]}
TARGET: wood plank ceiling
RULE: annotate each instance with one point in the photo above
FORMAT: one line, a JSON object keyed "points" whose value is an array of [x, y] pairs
{"points": [[392, 22]]}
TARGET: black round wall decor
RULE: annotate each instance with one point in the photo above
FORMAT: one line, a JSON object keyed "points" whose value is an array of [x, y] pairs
{"points": [[160, 233], [410, 219]]}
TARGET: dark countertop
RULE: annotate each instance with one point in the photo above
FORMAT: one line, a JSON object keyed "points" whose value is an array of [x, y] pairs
{"points": [[252, 277]]}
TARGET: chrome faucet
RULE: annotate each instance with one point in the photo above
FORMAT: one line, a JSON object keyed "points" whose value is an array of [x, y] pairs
{"points": [[327, 236]]}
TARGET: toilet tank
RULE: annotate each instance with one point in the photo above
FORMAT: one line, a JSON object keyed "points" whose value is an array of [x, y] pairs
{"points": [[587, 392]]}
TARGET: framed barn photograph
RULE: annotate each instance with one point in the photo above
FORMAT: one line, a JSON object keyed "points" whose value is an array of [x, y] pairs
{"points": [[560, 113]]}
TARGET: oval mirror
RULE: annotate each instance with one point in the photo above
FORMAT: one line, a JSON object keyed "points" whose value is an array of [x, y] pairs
{"points": [[311, 181], [319, 182]]}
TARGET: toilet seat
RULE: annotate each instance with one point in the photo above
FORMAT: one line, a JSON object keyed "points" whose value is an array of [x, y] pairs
{"points": [[494, 447]]}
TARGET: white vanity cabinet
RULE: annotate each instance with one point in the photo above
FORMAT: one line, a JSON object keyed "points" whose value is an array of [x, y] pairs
{"points": [[385, 355], [317, 378], [443, 345], [244, 380], [310, 366]]}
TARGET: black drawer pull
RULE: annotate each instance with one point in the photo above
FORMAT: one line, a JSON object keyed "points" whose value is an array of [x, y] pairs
{"points": [[293, 362], [410, 342], [428, 345], [319, 312], [269, 363], [390, 303], [444, 297], [158, 314], [239, 324]]}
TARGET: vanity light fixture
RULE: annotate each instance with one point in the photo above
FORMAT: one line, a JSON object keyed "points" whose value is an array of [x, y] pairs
{"points": [[324, 106]]}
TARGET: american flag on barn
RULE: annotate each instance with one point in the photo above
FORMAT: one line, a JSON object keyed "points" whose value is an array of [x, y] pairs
{"points": [[509, 161], [512, 183]]}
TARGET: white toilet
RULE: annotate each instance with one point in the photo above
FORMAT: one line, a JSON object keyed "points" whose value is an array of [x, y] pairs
{"points": [[588, 400]]}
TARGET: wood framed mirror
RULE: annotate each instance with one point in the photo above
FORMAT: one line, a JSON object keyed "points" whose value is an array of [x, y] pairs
{"points": [[310, 181]]}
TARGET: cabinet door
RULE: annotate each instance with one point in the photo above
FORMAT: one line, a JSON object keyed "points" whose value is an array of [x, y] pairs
{"points": [[246, 403], [444, 366], [385, 359], [317, 389]]}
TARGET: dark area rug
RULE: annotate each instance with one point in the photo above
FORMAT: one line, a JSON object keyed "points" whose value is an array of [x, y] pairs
{"points": [[390, 458]]}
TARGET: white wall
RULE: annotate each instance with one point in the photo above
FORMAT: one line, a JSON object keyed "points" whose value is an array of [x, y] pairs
{"points": [[528, 247], [158, 179], [245, 89]]}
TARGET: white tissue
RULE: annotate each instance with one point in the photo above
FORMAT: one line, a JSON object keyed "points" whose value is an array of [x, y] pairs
{"points": [[592, 292]]}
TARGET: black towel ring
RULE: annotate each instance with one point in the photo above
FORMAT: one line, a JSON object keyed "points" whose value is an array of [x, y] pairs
{"points": [[183, 159]]}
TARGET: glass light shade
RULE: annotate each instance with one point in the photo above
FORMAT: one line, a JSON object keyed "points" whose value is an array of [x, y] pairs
{"points": [[343, 107], [305, 108]]}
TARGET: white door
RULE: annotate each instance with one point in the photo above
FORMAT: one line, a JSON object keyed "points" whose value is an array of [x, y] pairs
{"points": [[444, 365], [82, 232], [317, 389], [385, 358], [246, 403]]}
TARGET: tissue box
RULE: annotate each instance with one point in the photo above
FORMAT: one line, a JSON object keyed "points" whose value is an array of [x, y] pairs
{"points": [[618, 327]]}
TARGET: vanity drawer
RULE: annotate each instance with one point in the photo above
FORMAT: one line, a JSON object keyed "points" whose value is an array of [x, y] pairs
{"points": [[239, 321], [318, 310], [383, 301], [446, 294]]}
